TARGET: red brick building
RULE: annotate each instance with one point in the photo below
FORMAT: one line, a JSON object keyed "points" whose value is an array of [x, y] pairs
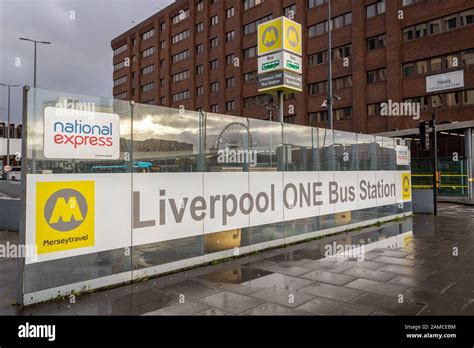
{"points": [[383, 51]]}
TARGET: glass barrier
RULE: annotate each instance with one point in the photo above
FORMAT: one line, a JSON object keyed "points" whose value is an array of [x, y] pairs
{"points": [[171, 188]]}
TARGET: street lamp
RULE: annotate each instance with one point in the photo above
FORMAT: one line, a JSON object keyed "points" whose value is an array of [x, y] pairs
{"points": [[35, 42], [8, 121]]}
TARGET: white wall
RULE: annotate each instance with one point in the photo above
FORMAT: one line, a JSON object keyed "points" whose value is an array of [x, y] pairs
{"points": [[15, 146]]}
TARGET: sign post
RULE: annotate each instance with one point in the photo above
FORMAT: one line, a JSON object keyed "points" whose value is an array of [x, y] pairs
{"points": [[279, 59]]}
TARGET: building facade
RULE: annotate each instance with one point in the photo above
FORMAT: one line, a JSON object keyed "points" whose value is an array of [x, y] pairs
{"points": [[202, 54]]}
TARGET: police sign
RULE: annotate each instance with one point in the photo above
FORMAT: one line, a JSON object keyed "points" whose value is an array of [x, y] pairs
{"points": [[279, 34]]}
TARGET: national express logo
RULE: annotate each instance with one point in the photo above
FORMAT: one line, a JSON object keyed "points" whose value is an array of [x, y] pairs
{"points": [[64, 215]]}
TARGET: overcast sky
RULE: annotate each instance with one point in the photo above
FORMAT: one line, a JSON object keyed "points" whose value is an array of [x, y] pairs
{"points": [[79, 60]]}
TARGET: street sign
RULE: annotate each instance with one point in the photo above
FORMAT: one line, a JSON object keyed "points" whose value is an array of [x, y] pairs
{"points": [[280, 61], [279, 34], [7, 168], [280, 81]]}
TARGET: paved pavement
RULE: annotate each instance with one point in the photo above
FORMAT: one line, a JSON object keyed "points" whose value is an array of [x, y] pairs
{"points": [[432, 274]]}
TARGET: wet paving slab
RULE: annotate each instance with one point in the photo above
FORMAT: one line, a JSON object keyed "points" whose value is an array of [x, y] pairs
{"points": [[420, 266]]}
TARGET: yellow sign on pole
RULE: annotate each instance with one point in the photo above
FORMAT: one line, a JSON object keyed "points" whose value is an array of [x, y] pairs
{"points": [[279, 34]]}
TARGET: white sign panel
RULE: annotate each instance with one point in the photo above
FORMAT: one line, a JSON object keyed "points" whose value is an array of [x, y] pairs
{"points": [[280, 61], [403, 155], [76, 134], [445, 81], [76, 214]]}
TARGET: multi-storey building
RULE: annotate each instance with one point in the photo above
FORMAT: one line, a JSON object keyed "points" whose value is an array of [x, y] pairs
{"points": [[202, 54]]}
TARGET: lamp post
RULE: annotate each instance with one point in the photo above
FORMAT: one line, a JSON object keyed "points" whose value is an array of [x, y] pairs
{"points": [[8, 121], [35, 42], [330, 99]]}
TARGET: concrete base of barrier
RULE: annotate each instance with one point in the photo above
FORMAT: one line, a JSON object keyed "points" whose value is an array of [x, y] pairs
{"points": [[126, 277], [11, 189], [422, 201], [10, 210]]}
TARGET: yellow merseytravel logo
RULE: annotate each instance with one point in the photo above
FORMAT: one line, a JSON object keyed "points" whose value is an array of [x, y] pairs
{"points": [[406, 187], [64, 215], [278, 34]]}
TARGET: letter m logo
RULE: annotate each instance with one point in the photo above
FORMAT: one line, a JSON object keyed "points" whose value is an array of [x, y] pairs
{"points": [[66, 211]]}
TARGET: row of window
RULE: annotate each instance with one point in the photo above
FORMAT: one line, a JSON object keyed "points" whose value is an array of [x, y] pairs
{"points": [[148, 69], [120, 80], [337, 22], [337, 53], [119, 65], [322, 86], [183, 75], [438, 26], [322, 116], [180, 36], [440, 64], [178, 57], [375, 9]]}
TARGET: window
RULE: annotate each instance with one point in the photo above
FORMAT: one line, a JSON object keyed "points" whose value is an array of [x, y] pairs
{"points": [[200, 48], [134, 42], [215, 108], [180, 96], [122, 95], [421, 67], [199, 6], [120, 49], [434, 27], [230, 82], [134, 58], [410, 2], [252, 27], [421, 30], [343, 114], [183, 75], [317, 29], [162, 44], [230, 12], [468, 97], [162, 82], [257, 100], [317, 58], [343, 82], [162, 100], [436, 64], [229, 36], [290, 10], [148, 87], [200, 90], [199, 69], [119, 65], [181, 16], [468, 58], [214, 20], [214, 86], [180, 37], [162, 63], [373, 109], [148, 34], [150, 102], [120, 80], [452, 61], [200, 27], [148, 69], [436, 101], [451, 23], [452, 99], [148, 52], [214, 42], [252, 3], [375, 9], [250, 77], [376, 76], [230, 105], [214, 64], [250, 52], [314, 3], [467, 17], [229, 59], [318, 88], [178, 57], [408, 34], [162, 26], [374, 43]]}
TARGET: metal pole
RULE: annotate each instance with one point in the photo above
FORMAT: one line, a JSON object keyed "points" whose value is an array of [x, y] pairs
{"points": [[330, 98], [34, 80], [435, 163], [280, 106], [8, 130]]}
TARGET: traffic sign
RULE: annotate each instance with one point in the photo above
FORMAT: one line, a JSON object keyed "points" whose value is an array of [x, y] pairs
{"points": [[280, 61], [279, 34], [7, 168], [280, 81]]}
